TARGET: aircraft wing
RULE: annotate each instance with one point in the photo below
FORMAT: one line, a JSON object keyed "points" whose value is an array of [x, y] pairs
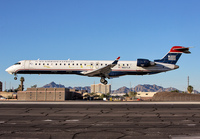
{"points": [[104, 71]]}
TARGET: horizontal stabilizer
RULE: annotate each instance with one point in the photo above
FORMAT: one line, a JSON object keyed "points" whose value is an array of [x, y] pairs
{"points": [[180, 49]]}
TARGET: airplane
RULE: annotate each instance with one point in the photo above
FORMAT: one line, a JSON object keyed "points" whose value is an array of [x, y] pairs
{"points": [[98, 68]]}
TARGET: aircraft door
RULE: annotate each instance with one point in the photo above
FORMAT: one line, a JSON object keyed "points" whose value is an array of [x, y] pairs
{"points": [[23, 64], [27, 64]]}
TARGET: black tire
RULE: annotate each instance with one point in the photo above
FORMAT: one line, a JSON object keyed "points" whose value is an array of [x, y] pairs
{"points": [[102, 80], [105, 82]]}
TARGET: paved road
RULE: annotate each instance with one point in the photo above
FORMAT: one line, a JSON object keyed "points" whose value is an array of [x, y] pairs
{"points": [[126, 121]]}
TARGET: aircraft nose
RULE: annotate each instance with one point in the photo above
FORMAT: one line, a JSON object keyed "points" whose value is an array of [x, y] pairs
{"points": [[9, 70]]}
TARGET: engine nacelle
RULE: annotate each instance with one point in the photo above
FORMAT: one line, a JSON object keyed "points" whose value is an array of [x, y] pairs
{"points": [[144, 63]]}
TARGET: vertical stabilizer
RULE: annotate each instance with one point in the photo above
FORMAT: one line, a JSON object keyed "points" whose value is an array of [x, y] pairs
{"points": [[173, 55]]}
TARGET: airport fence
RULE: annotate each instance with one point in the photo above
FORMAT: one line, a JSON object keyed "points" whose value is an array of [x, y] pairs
{"points": [[168, 96]]}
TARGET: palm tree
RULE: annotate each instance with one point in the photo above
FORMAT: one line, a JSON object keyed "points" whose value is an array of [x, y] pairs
{"points": [[22, 82], [103, 96], [132, 94], [190, 89]]}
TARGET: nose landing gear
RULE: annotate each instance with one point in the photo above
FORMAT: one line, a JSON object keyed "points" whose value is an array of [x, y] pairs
{"points": [[15, 78], [103, 81]]}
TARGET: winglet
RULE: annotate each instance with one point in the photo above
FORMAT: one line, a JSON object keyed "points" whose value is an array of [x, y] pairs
{"points": [[116, 61], [118, 58]]}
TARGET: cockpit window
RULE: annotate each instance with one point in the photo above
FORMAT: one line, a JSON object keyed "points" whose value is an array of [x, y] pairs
{"points": [[18, 63]]}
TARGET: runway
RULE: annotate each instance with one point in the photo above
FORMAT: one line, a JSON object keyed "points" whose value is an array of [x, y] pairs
{"points": [[96, 102], [111, 121]]}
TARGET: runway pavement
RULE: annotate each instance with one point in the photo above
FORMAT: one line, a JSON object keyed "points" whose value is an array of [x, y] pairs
{"points": [[99, 121]]}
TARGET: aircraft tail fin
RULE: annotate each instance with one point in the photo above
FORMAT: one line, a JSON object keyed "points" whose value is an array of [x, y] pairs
{"points": [[174, 54]]}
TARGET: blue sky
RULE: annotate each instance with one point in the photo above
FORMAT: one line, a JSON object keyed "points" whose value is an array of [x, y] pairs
{"points": [[100, 30]]}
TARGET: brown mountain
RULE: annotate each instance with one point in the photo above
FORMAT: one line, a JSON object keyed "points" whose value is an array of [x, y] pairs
{"points": [[124, 89], [144, 88], [53, 85]]}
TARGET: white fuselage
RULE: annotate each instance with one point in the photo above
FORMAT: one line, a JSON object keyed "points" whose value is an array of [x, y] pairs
{"points": [[98, 68], [80, 66]]}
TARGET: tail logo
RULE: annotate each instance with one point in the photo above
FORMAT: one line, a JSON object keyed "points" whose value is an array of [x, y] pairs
{"points": [[172, 57]]}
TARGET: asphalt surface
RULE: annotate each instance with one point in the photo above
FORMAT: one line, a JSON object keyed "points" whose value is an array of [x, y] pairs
{"points": [[123, 121]]}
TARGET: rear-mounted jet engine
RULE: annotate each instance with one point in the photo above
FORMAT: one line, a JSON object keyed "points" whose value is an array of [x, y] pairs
{"points": [[144, 63]]}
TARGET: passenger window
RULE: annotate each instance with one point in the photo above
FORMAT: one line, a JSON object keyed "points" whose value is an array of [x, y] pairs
{"points": [[35, 63], [43, 64]]}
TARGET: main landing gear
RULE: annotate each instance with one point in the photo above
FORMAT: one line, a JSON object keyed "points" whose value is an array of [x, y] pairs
{"points": [[103, 81]]}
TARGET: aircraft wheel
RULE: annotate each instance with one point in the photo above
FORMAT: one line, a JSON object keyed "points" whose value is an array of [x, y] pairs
{"points": [[105, 82], [15, 78], [102, 80]]}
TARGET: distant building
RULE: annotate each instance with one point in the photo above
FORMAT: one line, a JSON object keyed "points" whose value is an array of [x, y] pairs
{"points": [[89, 96], [145, 95], [76, 94], [101, 88], [118, 94], [44, 94], [8, 94], [1, 86]]}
